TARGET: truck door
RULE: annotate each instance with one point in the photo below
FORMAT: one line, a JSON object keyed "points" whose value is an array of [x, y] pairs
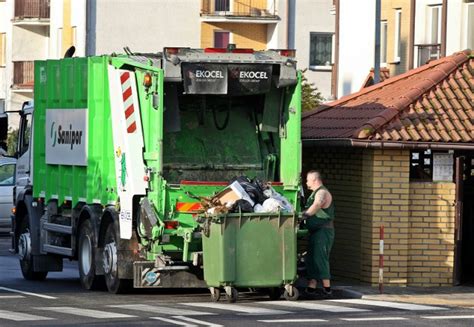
{"points": [[24, 164]]}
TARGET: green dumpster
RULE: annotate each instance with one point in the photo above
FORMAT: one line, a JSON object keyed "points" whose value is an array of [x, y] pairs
{"points": [[255, 250]]}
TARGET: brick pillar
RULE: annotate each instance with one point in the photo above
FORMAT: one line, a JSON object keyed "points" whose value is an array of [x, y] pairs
{"points": [[385, 202]]}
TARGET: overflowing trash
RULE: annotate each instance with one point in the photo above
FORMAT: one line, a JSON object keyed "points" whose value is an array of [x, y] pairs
{"points": [[245, 195]]}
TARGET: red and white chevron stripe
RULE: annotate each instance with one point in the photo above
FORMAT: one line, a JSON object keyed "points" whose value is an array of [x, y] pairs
{"points": [[128, 105]]}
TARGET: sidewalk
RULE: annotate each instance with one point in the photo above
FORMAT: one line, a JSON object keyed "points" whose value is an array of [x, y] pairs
{"points": [[460, 296]]}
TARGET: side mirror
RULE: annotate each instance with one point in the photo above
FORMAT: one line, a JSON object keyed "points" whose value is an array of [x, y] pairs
{"points": [[3, 127]]}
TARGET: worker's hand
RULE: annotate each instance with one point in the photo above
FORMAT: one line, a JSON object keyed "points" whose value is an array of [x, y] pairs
{"points": [[304, 215]]}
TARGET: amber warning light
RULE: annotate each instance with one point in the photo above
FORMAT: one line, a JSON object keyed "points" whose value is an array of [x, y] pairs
{"points": [[147, 80]]}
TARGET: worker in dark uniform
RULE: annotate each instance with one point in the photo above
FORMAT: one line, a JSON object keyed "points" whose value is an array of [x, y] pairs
{"points": [[319, 216]]}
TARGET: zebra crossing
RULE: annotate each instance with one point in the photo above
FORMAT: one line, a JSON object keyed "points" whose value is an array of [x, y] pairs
{"points": [[203, 313]]}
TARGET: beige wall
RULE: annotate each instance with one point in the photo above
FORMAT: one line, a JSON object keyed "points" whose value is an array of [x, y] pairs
{"points": [[243, 35], [388, 14], [431, 241], [372, 188]]}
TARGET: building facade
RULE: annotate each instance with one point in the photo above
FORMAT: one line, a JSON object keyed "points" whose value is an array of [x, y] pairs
{"points": [[412, 32], [400, 155]]}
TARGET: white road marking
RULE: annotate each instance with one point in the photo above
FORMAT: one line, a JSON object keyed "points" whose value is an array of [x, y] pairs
{"points": [[316, 306], [175, 322], [28, 293], [238, 308], [292, 320], [448, 317], [374, 319], [394, 305], [161, 310], [86, 312], [205, 323], [19, 316], [11, 297]]}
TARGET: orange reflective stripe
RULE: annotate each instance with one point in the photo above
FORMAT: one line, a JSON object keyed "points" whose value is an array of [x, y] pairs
{"points": [[188, 206]]}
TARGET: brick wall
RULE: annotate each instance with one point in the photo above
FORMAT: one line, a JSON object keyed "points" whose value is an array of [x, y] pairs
{"points": [[342, 173], [371, 188], [243, 35], [431, 241]]}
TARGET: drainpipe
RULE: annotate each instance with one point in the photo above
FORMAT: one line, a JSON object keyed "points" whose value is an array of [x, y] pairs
{"points": [[335, 69], [411, 37], [444, 27], [377, 43]]}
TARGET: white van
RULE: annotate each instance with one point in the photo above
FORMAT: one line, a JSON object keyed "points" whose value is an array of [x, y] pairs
{"points": [[7, 182]]}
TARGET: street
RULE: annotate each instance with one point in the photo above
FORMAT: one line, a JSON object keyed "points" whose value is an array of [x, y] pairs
{"points": [[60, 301]]}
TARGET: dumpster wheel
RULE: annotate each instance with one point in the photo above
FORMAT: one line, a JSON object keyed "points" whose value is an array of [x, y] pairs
{"points": [[291, 293], [215, 294], [231, 294]]}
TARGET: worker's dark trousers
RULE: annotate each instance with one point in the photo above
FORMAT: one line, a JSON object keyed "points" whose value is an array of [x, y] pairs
{"points": [[317, 257]]}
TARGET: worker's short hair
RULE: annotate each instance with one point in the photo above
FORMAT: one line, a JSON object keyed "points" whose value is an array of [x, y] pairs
{"points": [[316, 174]]}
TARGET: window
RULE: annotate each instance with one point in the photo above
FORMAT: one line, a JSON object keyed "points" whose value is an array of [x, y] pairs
{"points": [[398, 31], [222, 5], [434, 24], [320, 54], [383, 42], [3, 49], [470, 26], [7, 174], [221, 39], [25, 132], [421, 165]]}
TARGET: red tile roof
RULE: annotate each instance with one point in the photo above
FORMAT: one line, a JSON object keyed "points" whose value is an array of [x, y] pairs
{"points": [[369, 80], [433, 103]]}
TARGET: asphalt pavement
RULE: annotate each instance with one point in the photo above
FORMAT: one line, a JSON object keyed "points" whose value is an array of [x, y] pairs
{"points": [[60, 301]]}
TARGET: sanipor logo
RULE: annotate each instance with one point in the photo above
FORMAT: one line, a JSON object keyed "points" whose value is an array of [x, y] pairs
{"points": [[63, 136]]}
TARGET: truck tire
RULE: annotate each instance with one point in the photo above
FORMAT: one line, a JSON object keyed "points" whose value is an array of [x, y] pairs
{"points": [[24, 251], [114, 284], [86, 258]]}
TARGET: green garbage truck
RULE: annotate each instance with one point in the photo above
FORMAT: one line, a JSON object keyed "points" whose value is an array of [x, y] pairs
{"points": [[117, 152]]}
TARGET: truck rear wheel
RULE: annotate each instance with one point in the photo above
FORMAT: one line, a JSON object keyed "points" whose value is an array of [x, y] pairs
{"points": [[24, 251], [114, 283], [86, 258]]}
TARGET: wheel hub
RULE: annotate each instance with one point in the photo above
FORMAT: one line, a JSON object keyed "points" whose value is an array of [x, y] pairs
{"points": [[86, 255], [24, 246], [110, 258]]}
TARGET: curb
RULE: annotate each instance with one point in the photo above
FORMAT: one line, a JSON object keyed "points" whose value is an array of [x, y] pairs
{"points": [[348, 294]]}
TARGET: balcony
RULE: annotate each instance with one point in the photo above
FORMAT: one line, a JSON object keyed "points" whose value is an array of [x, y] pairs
{"points": [[23, 76], [256, 11], [32, 12], [427, 52]]}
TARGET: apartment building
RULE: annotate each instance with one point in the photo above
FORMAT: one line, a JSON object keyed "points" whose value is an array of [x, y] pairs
{"points": [[40, 29], [304, 25], [313, 36], [412, 32], [442, 27]]}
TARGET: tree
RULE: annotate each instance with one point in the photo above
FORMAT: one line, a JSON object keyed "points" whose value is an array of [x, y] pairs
{"points": [[310, 96], [12, 140]]}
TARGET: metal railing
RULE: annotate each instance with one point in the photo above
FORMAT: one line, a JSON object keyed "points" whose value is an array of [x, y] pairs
{"points": [[32, 9], [239, 8], [23, 74], [427, 52]]}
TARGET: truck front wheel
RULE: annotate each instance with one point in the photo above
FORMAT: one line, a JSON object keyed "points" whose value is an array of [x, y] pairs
{"points": [[24, 252], [114, 283], [86, 258]]}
